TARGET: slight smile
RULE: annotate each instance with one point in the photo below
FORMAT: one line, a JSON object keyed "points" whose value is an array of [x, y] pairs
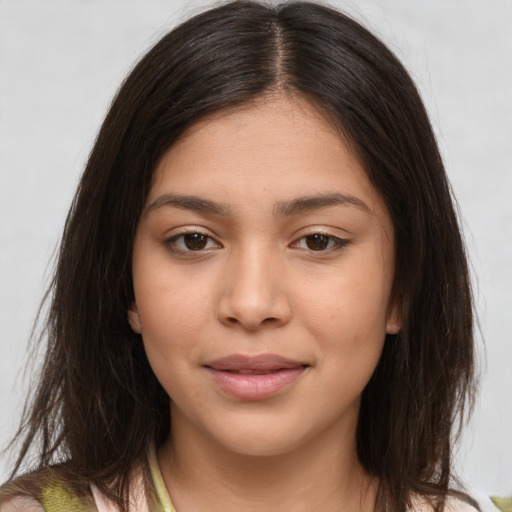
{"points": [[254, 377]]}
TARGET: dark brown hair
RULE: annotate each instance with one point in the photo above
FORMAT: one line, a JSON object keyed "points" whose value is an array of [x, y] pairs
{"points": [[98, 406]]}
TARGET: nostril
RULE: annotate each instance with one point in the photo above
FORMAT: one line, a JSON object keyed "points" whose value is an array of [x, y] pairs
{"points": [[252, 325], [252, 310]]}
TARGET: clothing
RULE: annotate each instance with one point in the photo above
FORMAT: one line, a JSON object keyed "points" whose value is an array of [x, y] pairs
{"points": [[54, 496], [160, 502]]}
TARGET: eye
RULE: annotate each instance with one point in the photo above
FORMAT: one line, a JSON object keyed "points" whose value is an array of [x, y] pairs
{"points": [[320, 242], [191, 242]]}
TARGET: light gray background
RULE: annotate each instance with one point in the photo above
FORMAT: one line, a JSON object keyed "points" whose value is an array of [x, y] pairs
{"points": [[61, 62]]}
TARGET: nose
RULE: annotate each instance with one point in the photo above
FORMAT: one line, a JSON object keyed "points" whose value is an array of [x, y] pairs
{"points": [[253, 292]]}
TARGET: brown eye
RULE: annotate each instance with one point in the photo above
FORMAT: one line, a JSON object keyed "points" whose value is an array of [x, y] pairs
{"points": [[321, 243], [317, 242], [189, 242], [195, 241]]}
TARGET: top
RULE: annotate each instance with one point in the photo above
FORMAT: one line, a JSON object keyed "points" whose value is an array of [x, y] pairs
{"points": [[55, 496]]}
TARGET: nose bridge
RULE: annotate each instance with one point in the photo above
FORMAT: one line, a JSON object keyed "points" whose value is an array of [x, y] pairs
{"points": [[252, 293]]}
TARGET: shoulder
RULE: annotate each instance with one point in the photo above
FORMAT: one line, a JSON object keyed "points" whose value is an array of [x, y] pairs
{"points": [[20, 504], [458, 503], [477, 501], [42, 491], [19, 495]]}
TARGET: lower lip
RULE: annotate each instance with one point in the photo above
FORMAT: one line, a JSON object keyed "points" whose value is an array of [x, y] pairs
{"points": [[255, 386]]}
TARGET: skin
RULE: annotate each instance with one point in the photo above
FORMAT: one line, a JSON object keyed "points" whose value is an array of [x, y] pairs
{"points": [[260, 285]]}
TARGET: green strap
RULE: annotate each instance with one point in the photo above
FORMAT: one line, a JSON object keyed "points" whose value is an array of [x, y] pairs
{"points": [[504, 504], [162, 501], [56, 497]]}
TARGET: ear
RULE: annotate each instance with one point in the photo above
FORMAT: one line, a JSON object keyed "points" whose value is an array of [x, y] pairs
{"points": [[394, 320], [133, 319]]}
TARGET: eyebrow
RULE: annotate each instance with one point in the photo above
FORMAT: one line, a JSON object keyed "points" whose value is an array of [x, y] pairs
{"points": [[194, 203], [281, 209], [309, 203]]}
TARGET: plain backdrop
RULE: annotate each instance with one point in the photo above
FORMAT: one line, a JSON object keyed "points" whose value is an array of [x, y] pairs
{"points": [[61, 62]]}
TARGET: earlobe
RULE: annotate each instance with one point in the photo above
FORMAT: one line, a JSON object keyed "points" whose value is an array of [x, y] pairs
{"points": [[134, 320], [394, 321]]}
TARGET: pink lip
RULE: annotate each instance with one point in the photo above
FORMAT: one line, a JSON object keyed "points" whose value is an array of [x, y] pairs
{"points": [[254, 377]]}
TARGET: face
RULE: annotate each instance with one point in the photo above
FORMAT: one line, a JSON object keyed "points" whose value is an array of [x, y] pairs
{"points": [[262, 269]]}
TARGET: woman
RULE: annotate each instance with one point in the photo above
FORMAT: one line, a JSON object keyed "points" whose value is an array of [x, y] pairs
{"points": [[262, 298]]}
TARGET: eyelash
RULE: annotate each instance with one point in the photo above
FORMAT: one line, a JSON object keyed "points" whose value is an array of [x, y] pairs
{"points": [[333, 243], [173, 241]]}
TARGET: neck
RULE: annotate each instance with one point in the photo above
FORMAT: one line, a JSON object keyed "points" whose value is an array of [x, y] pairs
{"points": [[324, 475]]}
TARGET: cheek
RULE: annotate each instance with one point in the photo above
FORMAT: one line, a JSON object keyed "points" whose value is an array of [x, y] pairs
{"points": [[169, 302], [172, 312], [351, 304], [346, 315], [169, 333]]}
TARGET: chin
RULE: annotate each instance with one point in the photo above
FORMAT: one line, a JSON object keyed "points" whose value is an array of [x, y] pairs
{"points": [[263, 438], [261, 447]]}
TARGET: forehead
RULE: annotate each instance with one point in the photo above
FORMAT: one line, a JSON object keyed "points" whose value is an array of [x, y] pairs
{"points": [[275, 147]]}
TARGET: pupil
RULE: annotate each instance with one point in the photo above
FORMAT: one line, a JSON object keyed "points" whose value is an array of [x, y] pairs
{"points": [[317, 242], [195, 241]]}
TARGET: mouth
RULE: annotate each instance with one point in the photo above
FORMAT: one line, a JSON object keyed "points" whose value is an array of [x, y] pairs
{"points": [[254, 377]]}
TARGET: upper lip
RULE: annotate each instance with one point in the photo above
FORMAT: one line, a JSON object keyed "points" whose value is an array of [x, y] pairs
{"points": [[263, 362]]}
